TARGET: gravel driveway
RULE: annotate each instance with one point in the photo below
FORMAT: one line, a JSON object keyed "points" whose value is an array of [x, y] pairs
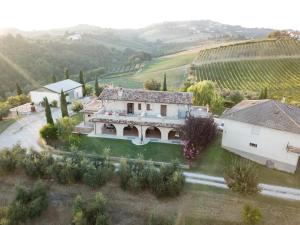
{"points": [[26, 130]]}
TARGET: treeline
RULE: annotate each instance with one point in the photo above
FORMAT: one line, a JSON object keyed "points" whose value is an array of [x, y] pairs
{"points": [[33, 62]]}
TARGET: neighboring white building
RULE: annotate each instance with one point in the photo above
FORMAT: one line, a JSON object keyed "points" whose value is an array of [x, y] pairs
{"points": [[140, 114], [71, 88], [265, 131]]}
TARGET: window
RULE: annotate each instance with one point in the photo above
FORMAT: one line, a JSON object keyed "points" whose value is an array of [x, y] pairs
{"points": [[163, 110], [148, 107], [89, 115], [139, 106], [253, 145]]}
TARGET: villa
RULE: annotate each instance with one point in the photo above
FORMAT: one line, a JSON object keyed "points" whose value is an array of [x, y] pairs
{"points": [[140, 114]]}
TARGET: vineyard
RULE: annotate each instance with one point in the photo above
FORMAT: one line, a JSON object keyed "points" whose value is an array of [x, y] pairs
{"points": [[251, 65]]}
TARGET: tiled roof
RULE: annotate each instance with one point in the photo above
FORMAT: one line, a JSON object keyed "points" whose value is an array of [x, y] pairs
{"points": [[65, 85], [266, 113], [138, 95]]}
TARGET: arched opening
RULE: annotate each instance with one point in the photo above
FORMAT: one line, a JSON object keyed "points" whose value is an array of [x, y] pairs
{"points": [[153, 132], [174, 135], [131, 131], [109, 128]]}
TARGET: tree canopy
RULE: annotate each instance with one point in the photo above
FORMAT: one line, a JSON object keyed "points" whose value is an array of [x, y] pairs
{"points": [[152, 85], [63, 104], [203, 92]]}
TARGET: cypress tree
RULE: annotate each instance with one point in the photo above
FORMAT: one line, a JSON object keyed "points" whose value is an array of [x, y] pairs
{"points": [[97, 88], [19, 90], [67, 75], [53, 78], [266, 93], [165, 83], [63, 105], [48, 112], [81, 80]]}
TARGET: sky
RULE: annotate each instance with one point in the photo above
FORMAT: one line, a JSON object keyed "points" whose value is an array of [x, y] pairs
{"points": [[48, 14]]}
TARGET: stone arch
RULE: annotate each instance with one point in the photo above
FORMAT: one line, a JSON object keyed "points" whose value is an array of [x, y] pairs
{"points": [[174, 135], [109, 128], [153, 132], [130, 130]]}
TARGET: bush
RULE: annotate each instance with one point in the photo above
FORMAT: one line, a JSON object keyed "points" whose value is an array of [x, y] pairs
{"points": [[152, 85], [95, 177], [159, 220], [36, 164], [168, 181], [91, 213], [4, 109], [236, 97], [17, 100], [251, 215], [65, 127], [241, 177], [27, 204], [77, 107], [54, 104], [49, 133], [10, 159]]}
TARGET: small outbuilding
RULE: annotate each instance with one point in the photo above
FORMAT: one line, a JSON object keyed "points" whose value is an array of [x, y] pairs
{"points": [[72, 89], [265, 131]]}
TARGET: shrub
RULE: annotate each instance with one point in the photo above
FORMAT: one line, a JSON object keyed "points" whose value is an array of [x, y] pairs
{"points": [[152, 85], [27, 204], [95, 177], [36, 164], [241, 177], [251, 215], [91, 213], [163, 182], [10, 159], [77, 107], [65, 127], [17, 100], [236, 96], [4, 109], [49, 133], [54, 104], [159, 220]]}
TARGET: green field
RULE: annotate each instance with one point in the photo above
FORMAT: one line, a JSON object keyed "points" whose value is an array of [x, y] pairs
{"points": [[175, 66]]}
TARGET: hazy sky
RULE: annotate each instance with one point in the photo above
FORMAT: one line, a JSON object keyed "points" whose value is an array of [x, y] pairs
{"points": [[45, 14]]}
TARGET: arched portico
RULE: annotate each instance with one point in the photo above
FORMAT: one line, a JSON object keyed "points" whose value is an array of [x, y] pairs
{"points": [[130, 130], [153, 132]]}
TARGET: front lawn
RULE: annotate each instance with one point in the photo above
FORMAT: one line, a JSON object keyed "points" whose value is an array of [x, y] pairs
{"points": [[124, 148], [5, 124]]}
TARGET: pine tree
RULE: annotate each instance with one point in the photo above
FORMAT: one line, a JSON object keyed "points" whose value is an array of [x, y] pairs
{"points": [[53, 78], [67, 75], [165, 83], [81, 80], [63, 105], [97, 88], [48, 112], [19, 90]]}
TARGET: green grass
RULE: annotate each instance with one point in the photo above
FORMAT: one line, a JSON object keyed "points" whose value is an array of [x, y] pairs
{"points": [[214, 159], [5, 124], [124, 148], [175, 66]]}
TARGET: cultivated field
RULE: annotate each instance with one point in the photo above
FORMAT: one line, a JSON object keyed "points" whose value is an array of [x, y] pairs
{"points": [[251, 65]]}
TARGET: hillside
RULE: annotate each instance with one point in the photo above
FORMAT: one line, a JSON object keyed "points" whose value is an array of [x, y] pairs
{"points": [[32, 62], [253, 65], [175, 66]]}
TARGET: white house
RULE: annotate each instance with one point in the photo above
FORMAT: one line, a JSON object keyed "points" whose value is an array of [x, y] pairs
{"points": [[141, 114], [265, 131], [71, 88]]}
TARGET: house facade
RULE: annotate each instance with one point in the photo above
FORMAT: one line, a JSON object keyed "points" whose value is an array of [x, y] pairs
{"points": [[140, 114], [265, 131], [72, 90]]}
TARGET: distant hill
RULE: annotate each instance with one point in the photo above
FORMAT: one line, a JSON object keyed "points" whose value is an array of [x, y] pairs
{"points": [[252, 65]]}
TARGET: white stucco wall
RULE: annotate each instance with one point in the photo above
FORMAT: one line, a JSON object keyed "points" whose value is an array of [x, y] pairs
{"points": [[172, 109], [37, 96], [271, 143]]}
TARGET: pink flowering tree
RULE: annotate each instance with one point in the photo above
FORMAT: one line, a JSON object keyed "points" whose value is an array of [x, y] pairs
{"points": [[197, 134]]}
